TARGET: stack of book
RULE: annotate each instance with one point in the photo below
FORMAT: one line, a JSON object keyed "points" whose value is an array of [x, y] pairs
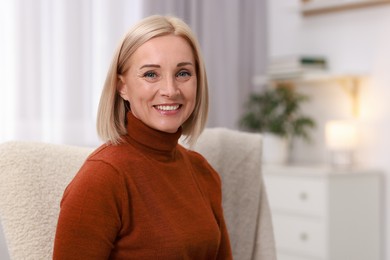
{"points": [[295, 66]]}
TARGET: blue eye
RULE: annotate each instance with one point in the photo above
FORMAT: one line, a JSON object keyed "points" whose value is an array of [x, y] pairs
{"points": [[183, 73], [150, 74]]}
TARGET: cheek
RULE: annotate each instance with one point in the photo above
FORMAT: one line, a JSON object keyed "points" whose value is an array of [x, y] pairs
{"points": [[137, 91], [192, 92], [191, 99]]}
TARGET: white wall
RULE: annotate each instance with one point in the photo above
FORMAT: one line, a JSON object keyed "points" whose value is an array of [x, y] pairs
{"points": [[353, 41]]}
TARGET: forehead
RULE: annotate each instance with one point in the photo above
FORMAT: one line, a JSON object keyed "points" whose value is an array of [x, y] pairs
{"points": [[164, 48]]}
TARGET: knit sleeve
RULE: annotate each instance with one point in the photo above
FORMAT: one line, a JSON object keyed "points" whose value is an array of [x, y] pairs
{"points": [[90, 215]]}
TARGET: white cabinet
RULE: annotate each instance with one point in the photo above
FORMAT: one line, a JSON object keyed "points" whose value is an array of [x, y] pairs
{"points": [[322, 214]]}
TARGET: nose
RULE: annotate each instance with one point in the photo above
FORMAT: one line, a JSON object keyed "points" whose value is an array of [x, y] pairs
{"points": [[169, 87]]}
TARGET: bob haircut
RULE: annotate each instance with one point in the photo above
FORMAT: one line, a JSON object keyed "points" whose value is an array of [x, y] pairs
{"points": [[111, 117]]}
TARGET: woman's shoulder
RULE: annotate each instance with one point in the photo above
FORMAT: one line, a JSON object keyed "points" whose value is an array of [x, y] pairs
{"points": [[102, 168], [112, 153]]}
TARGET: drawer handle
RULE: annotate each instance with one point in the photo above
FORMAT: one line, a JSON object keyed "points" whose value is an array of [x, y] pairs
{"points": [[303, 196], [304, 237]]}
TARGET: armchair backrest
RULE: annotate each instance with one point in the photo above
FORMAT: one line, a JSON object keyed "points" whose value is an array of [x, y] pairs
{"points": [[237, 158], [33, 177]]}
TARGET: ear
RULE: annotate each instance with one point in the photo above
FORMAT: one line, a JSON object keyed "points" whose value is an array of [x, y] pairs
{"points": [[121, 87]]}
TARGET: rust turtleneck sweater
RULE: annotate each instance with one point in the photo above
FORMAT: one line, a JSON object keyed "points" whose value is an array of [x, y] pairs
{"points": [[147, 198]]}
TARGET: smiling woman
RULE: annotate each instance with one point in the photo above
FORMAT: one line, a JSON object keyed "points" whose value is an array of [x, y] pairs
{"points": [[142, 195], [141, 61], [161, 93]]}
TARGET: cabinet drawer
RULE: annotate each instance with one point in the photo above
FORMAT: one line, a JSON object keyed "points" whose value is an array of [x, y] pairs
{"points": [[300, 236], [300, 195]]}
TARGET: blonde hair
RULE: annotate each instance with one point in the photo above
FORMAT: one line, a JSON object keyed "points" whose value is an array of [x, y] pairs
{"points": [[111, 117]]}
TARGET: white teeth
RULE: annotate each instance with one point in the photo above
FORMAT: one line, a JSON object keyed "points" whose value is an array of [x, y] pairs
{"points": [[167, 108]]}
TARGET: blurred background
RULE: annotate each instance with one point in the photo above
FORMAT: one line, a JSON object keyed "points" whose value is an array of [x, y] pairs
{"points": [[55, 54], [54, 57]]}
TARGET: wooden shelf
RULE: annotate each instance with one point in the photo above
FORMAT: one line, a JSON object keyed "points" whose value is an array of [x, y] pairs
{"points": [[308, 77], [318, 77], [314, 7], [350, 82]]}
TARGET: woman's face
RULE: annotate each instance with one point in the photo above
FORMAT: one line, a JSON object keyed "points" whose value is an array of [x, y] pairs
{"points": [[161, 83]]}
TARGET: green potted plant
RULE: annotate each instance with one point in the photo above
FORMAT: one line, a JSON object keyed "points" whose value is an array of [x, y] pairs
{"points": [[276, 113]]}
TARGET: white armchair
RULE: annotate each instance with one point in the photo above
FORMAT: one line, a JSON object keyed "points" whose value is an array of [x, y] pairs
{"points": [[33, 177]]}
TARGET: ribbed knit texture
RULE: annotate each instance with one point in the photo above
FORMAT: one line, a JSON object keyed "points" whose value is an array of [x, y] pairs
{"points": [[148, 198]]}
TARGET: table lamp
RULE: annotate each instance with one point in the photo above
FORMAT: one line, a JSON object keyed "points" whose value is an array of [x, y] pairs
{"points": [[341, 140]]}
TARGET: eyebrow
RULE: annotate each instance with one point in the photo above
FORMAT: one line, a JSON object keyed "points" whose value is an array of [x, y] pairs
{"points": [[149, 66], [181, 64]]}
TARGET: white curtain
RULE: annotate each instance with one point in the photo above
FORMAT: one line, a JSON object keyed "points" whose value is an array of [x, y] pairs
{"points": [[232, 34], [53, 61]]}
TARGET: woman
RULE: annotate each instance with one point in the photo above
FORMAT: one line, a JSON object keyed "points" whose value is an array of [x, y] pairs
{"points": [[141, 195]]}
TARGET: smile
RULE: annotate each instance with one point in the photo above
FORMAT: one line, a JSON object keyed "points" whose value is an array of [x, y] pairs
{"points": [[167, 108]]}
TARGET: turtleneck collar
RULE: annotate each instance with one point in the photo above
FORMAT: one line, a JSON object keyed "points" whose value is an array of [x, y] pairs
{"points": [[155, 142]]}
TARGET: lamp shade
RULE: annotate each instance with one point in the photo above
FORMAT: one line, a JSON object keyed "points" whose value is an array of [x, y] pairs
{"points": [[341, 135]]}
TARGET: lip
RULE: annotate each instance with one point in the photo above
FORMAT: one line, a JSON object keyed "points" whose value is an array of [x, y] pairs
{"points": [[168, 109]]}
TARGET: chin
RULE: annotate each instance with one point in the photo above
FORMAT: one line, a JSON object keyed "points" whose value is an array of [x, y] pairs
{"points": [[168, 127], [170, 131]]}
